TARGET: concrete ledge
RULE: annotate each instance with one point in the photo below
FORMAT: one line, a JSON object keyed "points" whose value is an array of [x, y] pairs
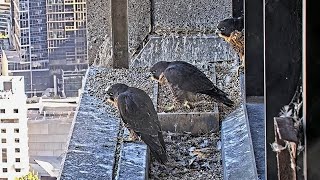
{"points": [[238, 157], [93, 140], [133, 163]]}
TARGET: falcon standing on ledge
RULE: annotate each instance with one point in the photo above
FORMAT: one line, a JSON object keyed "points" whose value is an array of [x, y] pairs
{"points": [[186, 81], [232, 31], [139, 116]]}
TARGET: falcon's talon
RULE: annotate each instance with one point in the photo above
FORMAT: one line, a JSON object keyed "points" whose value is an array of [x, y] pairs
{"points": [[133, 137], [188, 105], [169, 108]]}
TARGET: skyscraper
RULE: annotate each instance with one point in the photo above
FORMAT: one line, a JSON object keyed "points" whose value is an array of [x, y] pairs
{"points": [[50, 36], [14, 161], [4, 16]]}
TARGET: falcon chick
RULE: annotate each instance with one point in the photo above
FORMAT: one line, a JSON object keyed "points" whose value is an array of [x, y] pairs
{"points": [[185, 81], [139, 115], [232, 31]]}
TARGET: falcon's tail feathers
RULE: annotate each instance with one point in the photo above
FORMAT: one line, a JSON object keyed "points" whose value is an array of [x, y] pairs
{"points": [[219, 96], [156, 149]]}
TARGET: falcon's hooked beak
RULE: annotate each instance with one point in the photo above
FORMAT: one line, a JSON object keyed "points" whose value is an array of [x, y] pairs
{"points": [[160, 80], [109, 98], [218, 32]]}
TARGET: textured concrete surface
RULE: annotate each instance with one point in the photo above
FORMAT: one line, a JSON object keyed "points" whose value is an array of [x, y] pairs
{"points": [[98, 24], [190, 15], [256, 121], [195, 49], [237, 150], [139, 22], [99, 28], [93, 142], [178, 16], [133, 162]]}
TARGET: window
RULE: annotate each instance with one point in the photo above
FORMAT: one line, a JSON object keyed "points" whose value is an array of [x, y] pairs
{"points": [[16, 140], [15, 111], [3, 140], [17, 159], [18, 170], [3, 130], [4, 170], [17, 150], [16, 130], [9, 120], [2, 111], [4, 155]]}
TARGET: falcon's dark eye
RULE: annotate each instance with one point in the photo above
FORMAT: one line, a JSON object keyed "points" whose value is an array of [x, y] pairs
{"points": [[222, 28], [110, 93]]}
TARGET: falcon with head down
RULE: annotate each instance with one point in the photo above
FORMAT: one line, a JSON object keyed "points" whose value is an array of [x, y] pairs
{"points": [[232, 31], [185, 81], [139, 116]]}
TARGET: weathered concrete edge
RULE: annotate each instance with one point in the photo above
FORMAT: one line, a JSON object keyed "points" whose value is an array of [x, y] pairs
{"points": [[130, 163], [72, 125], [244, 98], [244, 110]]}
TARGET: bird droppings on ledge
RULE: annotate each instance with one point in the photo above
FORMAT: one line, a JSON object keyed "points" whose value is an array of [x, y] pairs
{"points": [[189, 157]]}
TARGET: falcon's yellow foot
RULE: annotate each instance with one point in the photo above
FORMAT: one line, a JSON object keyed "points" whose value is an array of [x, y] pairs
{"points": [[188, 105], [133, 137], [169, 108]]}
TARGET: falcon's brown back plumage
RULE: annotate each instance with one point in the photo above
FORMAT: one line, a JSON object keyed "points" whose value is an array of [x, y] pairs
{"points": [[138, 114]]}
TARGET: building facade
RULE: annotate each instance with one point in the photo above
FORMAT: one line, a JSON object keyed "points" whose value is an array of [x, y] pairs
{"points": [[13, 128], [50, 36], [4, 17]]}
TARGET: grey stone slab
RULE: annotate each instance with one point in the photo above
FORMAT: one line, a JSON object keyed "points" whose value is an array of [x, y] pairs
{"points": [[257, 128], [133, 162], [190, 15], [237, 150], [92, 144], [195, 49], [196, 122]]}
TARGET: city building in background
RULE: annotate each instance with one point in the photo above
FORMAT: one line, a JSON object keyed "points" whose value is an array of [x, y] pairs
{"points": [[14, 157], [4, 17], [50, 38], [5, 25]]}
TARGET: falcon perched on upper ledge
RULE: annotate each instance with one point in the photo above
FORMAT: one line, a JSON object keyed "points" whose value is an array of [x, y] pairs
{"points": [[186, 81], [232, 31], [138, 114]]}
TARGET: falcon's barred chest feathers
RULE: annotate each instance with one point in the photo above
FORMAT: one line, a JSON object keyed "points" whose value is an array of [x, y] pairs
{"points": [[232, 31], [139, 115], [186, 80]]}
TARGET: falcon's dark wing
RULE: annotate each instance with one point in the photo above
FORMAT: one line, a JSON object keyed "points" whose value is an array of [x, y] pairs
{"points": [[189, 78], [138, 113]]}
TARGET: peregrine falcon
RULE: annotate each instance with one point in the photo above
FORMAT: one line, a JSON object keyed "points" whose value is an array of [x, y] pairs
{"points": [[232, 31], [139, 115], [185, 81]]}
